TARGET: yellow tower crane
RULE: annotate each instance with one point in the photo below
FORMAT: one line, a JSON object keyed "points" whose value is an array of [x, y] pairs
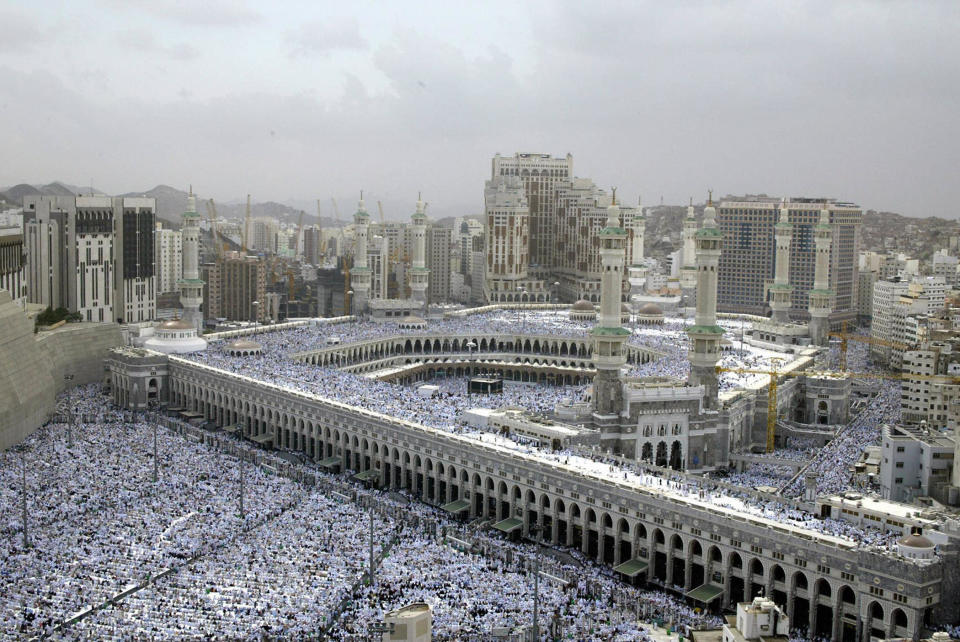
{"points": [[774, 374], [845, 336], [214, 229]]}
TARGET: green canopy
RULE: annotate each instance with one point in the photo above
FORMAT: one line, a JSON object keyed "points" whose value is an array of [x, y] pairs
{"points": [[368, 475], [632, 568], [509, 525], [456, 506], [706, 593], [329, 462], [262, 439]]}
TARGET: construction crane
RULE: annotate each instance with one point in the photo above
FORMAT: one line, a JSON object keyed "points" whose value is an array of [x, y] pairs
{"points": [[774, 374], [336, 215], [323, 242], [296, 240], [290, 285], [845, 336], [246, 227], [214, 230]]}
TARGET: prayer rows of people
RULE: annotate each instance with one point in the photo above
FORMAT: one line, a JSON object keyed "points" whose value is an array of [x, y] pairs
{"points": [[278, 572]]}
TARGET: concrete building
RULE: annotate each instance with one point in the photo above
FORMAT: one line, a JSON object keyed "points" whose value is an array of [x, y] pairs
{"points": [[508, 242], [264, 236], [13, 276], [900, 311], [917, 462], [235, 288], [747, 265], [946, 266], [759, 620], [93, 255], [35, 366], [825, 582], [439, 259], [312, 245], [169, 260], [542, 176], [581, 217]]}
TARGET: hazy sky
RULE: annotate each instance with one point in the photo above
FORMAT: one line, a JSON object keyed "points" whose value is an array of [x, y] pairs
{"points": [[300, 100]]}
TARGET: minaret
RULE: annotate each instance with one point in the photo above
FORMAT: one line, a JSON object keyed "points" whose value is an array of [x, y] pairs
{"points": [[639, 229], [360, 274], [419, 274], [781, 293], [820, 295], [608, 335], [705, 334], [191, 287], [688, 263]]}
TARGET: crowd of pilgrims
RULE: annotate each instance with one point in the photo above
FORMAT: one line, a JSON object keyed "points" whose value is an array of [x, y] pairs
{"points": [[292, 567]]}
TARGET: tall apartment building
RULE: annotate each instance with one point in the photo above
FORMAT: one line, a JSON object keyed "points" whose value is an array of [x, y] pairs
{"points": [[508, 239], [312, 244], [169, 260], [946, 266], [542, 176], [13, 277], [581, 214], [264, 236], [899, 309], [235, 288], [93, 255], [747, 261], [437, 259]]}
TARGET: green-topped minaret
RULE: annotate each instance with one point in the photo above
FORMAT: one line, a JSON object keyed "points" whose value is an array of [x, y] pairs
{"points": [[609, 336], [705, 335]]}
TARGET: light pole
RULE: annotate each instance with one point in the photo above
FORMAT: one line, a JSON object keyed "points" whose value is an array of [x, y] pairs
{"points": [[535, 628], [240, 451], [371, 546], [153, 406], [349, 307], [520, 292], [68, 378], [556, 292], [23, 496]]}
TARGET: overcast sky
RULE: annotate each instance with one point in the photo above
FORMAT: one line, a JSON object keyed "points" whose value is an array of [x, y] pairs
{"points": [[303, 100]]}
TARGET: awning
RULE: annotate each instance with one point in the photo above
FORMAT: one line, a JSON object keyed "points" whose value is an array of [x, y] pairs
{"points": [[632, 568], [509, 525], [370, 474], [230, 429], [329, 462], [706, 593], [262, 439], [455, 507]]}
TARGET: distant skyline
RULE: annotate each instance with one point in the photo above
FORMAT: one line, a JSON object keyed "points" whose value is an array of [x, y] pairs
{"points": [[294, 101]]}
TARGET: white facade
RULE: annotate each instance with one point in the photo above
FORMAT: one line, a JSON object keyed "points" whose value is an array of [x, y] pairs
{"points": [[169, 259], [92, 254]]}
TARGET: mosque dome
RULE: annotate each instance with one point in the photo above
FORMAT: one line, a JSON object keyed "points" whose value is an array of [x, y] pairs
{"points": [[243, 348], [175, 336], [583, 306], [650, 309]]}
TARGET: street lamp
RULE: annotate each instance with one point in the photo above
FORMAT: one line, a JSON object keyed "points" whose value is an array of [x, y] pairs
{"points": [[349, 307], [520, 292], [535, 628], [556, 291], [153, 403], [23, 496], [68, 378], [241, 452]]}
